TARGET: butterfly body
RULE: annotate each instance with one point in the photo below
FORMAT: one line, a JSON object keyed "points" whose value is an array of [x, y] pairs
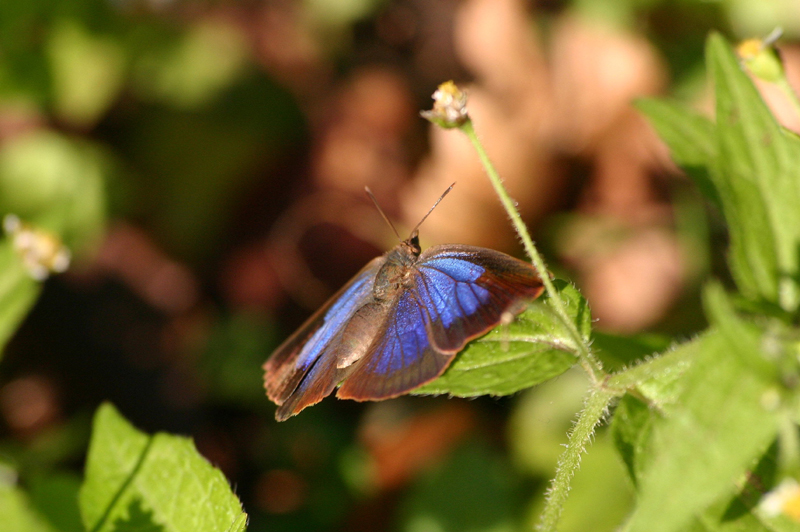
{"points": [[397, 324], [397, 270]]}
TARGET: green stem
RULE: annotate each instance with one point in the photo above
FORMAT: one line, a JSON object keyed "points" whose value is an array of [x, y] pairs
{"points": [[592, 414], [587, 360]]}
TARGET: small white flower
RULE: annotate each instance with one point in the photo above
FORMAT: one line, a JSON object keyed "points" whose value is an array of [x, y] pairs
{"points": [[41, 251], [784, 499], [449, 106]]}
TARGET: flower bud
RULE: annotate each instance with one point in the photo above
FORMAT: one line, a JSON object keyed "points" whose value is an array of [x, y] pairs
{"points": [[761, 58], [449, 106]]}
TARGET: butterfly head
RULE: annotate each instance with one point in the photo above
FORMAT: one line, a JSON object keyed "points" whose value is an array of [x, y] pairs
{"points": [[413, 243], [404, 254]]}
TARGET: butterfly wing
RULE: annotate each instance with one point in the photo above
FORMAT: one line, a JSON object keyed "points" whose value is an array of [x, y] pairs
{"points": [[459, 293], [303, 369]]}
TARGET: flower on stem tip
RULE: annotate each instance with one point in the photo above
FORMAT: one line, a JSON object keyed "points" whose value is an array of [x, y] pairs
{"points": [[761, 58], [449, 106], [41, 251]]}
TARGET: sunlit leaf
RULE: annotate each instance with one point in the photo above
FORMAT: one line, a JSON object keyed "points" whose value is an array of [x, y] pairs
{"points": [[663, 384], [757, 175], [750, 166], [152, 482], [532, 349], [691, 139], [742, 509], [658, 383], [700, 449], [712, 521]]}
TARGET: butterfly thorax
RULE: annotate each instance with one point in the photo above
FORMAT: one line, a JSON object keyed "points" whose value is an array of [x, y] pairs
{"points": [[397, 270]]}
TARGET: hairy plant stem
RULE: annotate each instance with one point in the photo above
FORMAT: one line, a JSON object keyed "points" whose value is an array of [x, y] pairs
{"points": [[580, 436], [587, 360], [599, 396]]}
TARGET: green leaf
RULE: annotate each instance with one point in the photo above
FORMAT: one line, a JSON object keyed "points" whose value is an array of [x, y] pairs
{"points": [[659, 383], [716, 431], [532, 349], [18, 292], [756, 484], [757, 175], [713, 521], [689, 135], [750, 166], [741, 514], [138, 481], [631, 427], [691, 139], [17, 514]]}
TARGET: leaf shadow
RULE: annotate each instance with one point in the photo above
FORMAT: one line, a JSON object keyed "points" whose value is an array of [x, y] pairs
{"points": [[139, 519], [759, 480]]}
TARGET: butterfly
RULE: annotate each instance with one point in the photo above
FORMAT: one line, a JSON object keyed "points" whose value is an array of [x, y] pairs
{"points": [[398, 323]]}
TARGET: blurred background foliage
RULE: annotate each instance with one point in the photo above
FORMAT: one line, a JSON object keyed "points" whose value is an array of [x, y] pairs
{"points": [[204, 163]]}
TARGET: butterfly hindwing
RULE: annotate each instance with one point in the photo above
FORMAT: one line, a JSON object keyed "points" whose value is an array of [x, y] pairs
{"points": [[459, 292]]}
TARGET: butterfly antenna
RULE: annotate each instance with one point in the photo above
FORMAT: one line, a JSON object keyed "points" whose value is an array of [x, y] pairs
{"points": [[434, 206], [377, 205]]}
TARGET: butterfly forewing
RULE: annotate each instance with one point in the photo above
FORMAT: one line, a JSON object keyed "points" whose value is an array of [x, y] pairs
{"points": [[291, 363], [334, 363]]}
